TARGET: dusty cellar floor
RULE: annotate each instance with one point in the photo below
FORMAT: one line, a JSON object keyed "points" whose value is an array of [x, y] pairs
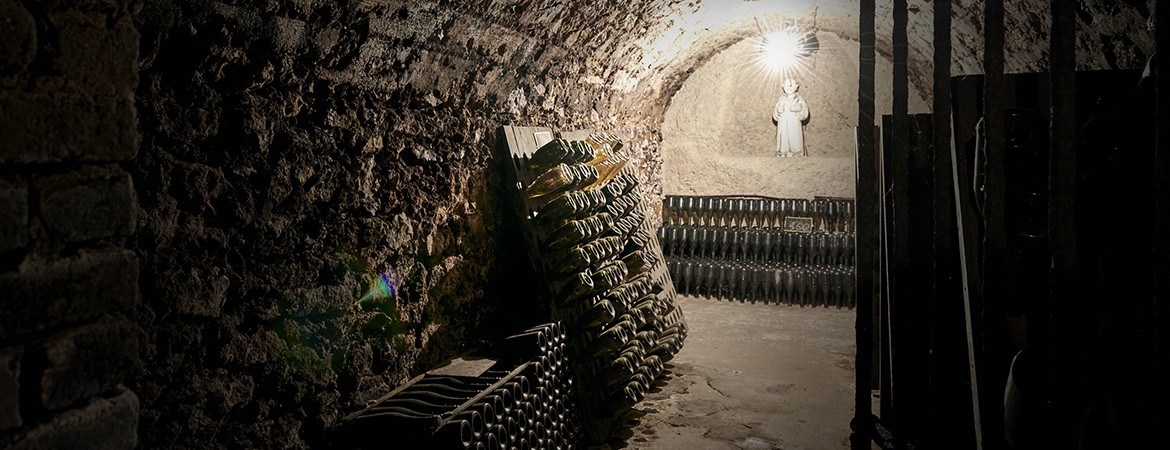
{"points": [[750, 376]]}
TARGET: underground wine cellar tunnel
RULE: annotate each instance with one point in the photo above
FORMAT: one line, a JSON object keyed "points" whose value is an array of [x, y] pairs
{"points": [[233, 224]]}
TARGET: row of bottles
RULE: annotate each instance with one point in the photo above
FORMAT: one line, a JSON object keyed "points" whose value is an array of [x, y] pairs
{"points": [[765, 246], [803, 285], [523, 402], [827, 215], [791, 251]]}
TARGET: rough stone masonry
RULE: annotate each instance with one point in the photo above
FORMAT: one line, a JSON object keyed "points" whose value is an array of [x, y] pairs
{"points": [[68, 71]]}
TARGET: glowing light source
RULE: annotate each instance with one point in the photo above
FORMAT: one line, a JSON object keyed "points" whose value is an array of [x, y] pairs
{"points": [[783, 52], [780, 49]]}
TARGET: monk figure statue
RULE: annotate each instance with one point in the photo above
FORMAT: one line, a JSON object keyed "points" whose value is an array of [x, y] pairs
{"points": [[790, 113]]}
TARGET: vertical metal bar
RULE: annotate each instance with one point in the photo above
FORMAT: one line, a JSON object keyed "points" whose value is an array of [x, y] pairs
{"points": [[1064, 303], [867, 229]]}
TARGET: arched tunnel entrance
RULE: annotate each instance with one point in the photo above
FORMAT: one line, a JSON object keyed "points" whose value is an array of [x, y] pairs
{"points": [[765, 303], [230, 224]]}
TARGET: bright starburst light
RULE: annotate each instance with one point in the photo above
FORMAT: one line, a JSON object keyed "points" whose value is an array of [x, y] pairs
{"points": [[783, 52], [779, 50]]}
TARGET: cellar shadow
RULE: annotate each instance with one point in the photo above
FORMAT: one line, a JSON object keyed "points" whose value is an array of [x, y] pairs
{"points": [[623, 435]]}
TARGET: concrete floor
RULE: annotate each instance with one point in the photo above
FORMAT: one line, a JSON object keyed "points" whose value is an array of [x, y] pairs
{"points": [[750, 376]]}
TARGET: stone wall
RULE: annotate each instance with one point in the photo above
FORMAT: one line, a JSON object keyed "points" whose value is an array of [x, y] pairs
{"points": [[68, 71], [323, 212]]}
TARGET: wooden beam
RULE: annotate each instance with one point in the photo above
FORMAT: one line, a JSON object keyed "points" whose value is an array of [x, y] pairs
{"points": [[993, 366], [867, 196], [955, 414]]}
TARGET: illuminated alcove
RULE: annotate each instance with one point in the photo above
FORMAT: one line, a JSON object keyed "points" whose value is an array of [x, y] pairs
{"points": [[718, 136]]}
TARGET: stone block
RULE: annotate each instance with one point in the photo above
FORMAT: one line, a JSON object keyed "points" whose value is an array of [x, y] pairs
{"points": [[96, 53], [10, 388], [105, 424], [63, 125], [86, 361], [91, 203], [19, 45], [13, 214], [45, 294]]}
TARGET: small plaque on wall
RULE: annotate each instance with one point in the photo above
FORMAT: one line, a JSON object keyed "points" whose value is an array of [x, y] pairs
{"points": [[798, 224]]}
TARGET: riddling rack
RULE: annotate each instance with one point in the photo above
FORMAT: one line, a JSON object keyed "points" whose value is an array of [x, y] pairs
{"points": [[601, 266], [773, 250]]}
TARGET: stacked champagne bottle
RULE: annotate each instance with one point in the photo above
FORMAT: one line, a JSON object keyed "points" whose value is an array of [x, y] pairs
{"points": [[831, 286], [444, 412], [547, 417], [525, 400], [828, 215], [757, 246], [793, 251], [605, 271]]}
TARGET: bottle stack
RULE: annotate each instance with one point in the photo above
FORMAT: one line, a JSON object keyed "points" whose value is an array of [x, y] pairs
{"points": [[792, 251], [525, 399], [547, 417], [606, 275]]}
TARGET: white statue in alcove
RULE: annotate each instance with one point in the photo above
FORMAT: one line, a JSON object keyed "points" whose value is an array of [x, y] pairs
{"points": [[790, 113]]}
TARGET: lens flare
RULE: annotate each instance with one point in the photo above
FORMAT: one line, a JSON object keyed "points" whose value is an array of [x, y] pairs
{"points": [[381, 287], [783, 51], [780, 50]]}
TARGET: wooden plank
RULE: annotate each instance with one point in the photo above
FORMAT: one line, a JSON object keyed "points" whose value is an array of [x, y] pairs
{"points": [[387, 396], [970, 282], [868, 196], [994, 250], [953, 415]]}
